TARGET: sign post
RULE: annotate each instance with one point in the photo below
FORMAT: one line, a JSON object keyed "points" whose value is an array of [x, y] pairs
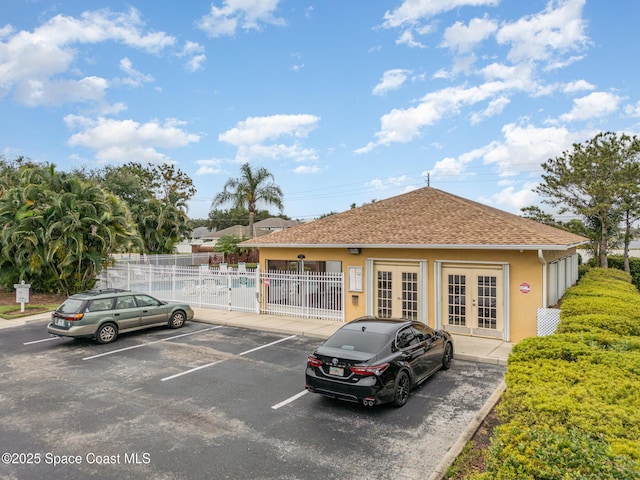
{"points": [[22, 293]]}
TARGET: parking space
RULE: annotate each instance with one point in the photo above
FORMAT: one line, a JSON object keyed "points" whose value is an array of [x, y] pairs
{"points": [[208, 401]]}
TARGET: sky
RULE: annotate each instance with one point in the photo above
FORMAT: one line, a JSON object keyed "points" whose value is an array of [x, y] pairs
{"points": [[343, 101]]}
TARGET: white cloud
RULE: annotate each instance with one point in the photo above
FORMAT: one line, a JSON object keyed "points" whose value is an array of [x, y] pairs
{"points": [[234, 14], [391, 80], [496, 106], [526, 148], [411, 11], [194, 52], [594, 105], [522, 150], [633, 110], [463, 38], [578, 86], [407, 38], [135, 78], [35, 92], [515, 200], [255, 130], [248, 153], [29, 60], [256, 137], [307, 169], [558, 29], [403, 125], [389, 182], [209, 167], [121, 141]]}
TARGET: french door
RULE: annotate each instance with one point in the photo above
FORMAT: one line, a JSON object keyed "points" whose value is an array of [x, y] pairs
{"points": [[396, 291], [472, 301]]}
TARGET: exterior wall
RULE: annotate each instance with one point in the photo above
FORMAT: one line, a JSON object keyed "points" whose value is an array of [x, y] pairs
{"points": [[525, 277]]}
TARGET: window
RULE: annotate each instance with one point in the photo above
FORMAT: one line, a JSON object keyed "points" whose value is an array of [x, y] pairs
{"points": [[405, 338], [125, 302], [100, 305], [423, 332], [357, 341], [145, 301]]}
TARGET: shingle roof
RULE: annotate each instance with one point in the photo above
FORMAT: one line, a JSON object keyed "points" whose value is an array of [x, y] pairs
{"points": [[275, 222], [423, 218]]}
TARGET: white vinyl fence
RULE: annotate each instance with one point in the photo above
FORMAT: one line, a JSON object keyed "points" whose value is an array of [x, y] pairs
{"points": [[303, 295]]}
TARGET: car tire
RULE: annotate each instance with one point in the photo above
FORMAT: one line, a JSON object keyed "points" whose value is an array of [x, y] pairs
{"points": [[447, 357], [177, 319], [106, 333], [402, 387]]}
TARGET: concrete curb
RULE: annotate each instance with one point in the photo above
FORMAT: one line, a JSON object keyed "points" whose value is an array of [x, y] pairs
{"points": [[453, 453]]}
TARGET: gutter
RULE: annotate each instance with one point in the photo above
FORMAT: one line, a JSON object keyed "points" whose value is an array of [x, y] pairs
{"points": [[544, 278], [432, 246]]}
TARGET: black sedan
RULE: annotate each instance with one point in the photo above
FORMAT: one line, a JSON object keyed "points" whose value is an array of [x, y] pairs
{"points": [[374, 361]]}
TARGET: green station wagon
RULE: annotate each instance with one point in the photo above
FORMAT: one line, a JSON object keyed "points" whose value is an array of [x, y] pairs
{"points": [[103, 314]]}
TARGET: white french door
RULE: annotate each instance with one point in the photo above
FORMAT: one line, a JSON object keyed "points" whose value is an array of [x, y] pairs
{"points": [[472, 301], [396, 291]]}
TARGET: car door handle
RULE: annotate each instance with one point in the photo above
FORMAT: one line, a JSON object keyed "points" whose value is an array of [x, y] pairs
{"points": [[116, 314]]}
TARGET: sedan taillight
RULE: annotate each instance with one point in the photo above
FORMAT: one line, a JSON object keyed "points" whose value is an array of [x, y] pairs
{"points": [[314, 362], [376, 370]]}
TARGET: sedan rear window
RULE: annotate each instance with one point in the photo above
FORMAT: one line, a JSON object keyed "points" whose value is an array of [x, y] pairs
{"points": [[357, 341]]}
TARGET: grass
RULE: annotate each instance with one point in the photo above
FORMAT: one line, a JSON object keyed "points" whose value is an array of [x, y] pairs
{"points": [[9, 312]]}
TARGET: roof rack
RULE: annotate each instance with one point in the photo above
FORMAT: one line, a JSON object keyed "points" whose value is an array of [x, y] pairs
{"points": [[102, 291]]}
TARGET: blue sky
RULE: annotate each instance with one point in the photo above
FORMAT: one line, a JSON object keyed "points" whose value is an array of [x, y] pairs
{"points": [[343, 101]]}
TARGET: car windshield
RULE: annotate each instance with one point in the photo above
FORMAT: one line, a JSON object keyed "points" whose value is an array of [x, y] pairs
{"points": [[357, 341], [70, 305]]}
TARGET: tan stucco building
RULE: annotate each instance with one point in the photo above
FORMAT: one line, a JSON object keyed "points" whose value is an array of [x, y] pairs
{"points": [[438, 258]]}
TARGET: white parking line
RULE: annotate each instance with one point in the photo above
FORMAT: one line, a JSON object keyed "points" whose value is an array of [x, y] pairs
{"points": [[150, 343], [290, 399], [220, 361], [43, 340]]}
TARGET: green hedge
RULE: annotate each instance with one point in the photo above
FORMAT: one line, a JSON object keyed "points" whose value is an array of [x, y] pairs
{"points": [[571, 408], [617, 262]]}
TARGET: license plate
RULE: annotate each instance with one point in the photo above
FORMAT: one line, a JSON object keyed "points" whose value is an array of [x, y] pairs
{"points": [[60, 322], [336, 371]]}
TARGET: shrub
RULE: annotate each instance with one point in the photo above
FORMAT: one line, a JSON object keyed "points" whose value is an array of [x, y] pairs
{"points": [[571, 406], [542, 453], [600, 323], [617, 262]]}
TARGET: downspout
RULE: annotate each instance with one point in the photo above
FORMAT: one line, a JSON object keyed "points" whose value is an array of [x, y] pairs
{"points": [[544, 277]]}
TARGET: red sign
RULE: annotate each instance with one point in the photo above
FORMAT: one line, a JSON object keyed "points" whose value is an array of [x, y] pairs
{"points": [[525, 288]]}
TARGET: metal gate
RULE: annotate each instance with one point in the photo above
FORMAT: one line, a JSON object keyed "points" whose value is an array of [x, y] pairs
{"points": [[304, 295]]}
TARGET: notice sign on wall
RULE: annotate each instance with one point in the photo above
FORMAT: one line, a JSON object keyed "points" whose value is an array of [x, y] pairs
{"points": [[525, 288]]}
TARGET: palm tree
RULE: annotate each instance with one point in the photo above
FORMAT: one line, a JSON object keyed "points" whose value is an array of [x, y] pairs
{"points": [[252, 187], [56, 230]]}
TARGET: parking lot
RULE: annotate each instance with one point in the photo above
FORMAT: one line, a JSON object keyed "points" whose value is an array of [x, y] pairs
{"points": [[211, 401]]}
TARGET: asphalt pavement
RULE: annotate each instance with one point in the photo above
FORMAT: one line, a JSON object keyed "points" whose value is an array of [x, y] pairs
{"points": [[482, 350]]}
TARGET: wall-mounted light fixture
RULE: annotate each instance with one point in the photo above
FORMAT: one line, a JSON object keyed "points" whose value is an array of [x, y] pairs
{"points": [[354, 251], [301, 256]]}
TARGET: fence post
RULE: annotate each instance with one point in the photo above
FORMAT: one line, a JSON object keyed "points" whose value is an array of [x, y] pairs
{"points": [[257, 283], [174, 294]]}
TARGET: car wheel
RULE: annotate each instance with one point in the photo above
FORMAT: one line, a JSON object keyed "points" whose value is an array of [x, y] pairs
{"points": [[403, 385], [177, 319], [107, 333], [447, 358]]}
